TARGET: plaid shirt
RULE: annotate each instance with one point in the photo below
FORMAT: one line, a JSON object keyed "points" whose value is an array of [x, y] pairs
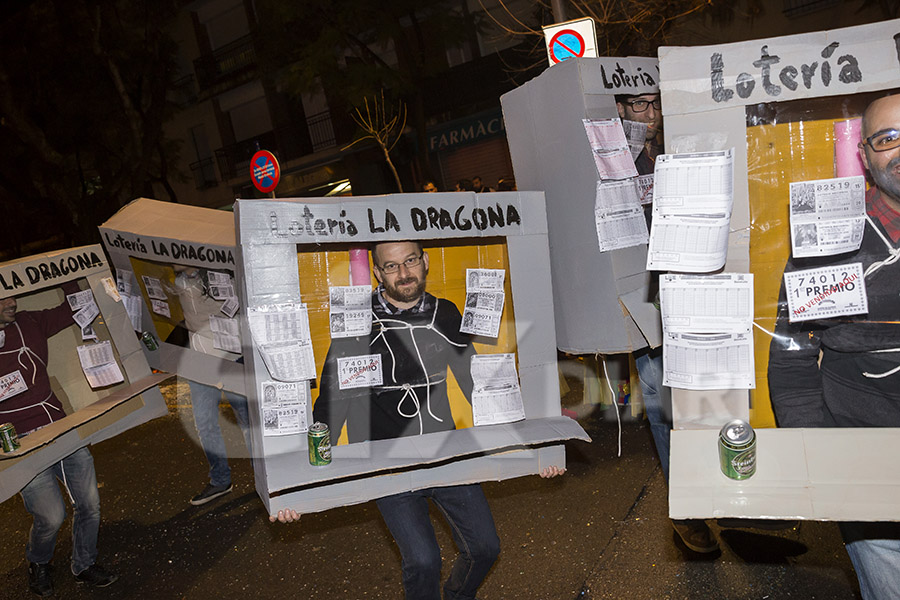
{"points": [[889, 218], [426, 302]]}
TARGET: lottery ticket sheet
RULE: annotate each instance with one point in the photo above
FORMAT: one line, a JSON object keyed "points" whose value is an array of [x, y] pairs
{"points": [[484, 302], [496, 395], [721, 303], [826, 292], [281, 334], [610, 148], [99, 364], [708, 361], [350, 310], [284, 407], [828, 216], [619, 216]]}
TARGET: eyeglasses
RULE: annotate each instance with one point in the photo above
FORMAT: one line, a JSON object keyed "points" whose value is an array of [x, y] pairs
{"points": [[882, 141], [640, 106], [409, 263]]}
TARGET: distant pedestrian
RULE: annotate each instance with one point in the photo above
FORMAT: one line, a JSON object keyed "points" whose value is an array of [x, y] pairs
{"points": [[506, 184], [429, 187], [464, 185], [478, 186]]}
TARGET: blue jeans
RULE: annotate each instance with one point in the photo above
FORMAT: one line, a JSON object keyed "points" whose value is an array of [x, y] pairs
{"points": [[657, 402], [874, 550], [467, 511], [44, 501], [205, 402]]}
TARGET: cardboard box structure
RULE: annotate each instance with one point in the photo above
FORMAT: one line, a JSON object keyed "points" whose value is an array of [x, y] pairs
{"points": [[148, 238], [775, 101], [271, 233], [603, 300], [92, 415]]}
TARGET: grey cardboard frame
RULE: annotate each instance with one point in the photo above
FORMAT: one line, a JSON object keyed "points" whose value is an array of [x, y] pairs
{"points": [[267, 234], [704, 110], [603, 300], [164, 232], [104, 413]]}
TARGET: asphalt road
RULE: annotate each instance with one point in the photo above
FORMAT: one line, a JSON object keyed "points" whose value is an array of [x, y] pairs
{"points": [[600, 531]]}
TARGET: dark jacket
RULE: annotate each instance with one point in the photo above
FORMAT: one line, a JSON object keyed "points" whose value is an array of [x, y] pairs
{"points": [[837, 393], [416, 347]]}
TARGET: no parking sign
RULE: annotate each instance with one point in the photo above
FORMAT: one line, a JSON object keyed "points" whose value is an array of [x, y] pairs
{"points": [[264, 171], [572, 39]]}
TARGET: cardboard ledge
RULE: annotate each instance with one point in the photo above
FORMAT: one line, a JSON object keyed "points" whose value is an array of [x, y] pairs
{"points": [[46, 435]]}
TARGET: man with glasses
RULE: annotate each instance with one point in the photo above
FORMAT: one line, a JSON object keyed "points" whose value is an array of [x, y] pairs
{"points": [[416, 338], [845, 372]]}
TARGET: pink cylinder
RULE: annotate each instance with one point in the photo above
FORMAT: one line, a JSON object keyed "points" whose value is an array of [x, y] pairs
{"points": [[359, 267], [846, 148]]}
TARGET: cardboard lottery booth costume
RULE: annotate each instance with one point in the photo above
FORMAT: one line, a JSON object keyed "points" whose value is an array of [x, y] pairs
{"points": [[175, 267], [551, 152], [293, 255], [100, 400], [783, 105]]}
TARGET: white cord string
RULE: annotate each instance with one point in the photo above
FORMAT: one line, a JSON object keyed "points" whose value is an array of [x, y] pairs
{"points": [[615, 403]]}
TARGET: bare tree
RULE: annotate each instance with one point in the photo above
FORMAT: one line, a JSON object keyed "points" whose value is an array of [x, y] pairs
{"points": [[382, 125]]}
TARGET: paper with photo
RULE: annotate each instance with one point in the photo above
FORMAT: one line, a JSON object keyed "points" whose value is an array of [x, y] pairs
{"points": [[79, 300], [826, 292], [88, 333], [708, 361], [485, 280], [221, 286], [123, 281], [87, 314], [284, 407], [707, 303], [619, 216], [350, 310], [154, 288], [828, 216], [496, 394], [482, 313]]}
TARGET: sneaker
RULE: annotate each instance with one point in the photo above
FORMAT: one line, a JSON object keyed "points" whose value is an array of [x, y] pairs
{"points": [[39, 580], [696, 535], [96, 576], [211, 492]]}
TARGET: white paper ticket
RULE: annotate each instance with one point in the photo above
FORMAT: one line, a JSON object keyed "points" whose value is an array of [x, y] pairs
{"points": [[359, 371], [154, 287], [11, 385], [826, 292]]}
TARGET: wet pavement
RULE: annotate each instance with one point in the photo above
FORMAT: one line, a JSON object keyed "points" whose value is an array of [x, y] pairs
{"points": [[600, 531]]}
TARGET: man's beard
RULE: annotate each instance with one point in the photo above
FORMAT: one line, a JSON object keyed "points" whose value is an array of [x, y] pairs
{"points": [[887, 179], [410, 294]]}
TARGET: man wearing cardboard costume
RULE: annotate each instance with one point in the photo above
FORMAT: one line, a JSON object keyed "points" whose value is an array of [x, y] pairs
{"points": [[30, 404], [855, 382], [695, 533], [197, 305], [417, 338]]}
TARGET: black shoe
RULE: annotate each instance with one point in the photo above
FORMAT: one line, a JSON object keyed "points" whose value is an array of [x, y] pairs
{"points": [[211, 492], [39, 580], [96, 576], [696, 535]]}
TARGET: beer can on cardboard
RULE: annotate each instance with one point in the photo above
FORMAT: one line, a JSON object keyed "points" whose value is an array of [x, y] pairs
{"points": [[8, 438], [319, 438], [737, 450], [149, 341]]}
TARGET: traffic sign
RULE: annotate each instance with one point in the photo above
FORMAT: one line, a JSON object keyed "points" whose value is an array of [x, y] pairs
{"points": [[572, 39], [264, 171]]}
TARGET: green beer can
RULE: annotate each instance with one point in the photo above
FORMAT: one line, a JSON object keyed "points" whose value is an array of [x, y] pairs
{"points": [[737, 450], [319, 438], [8, 438]]}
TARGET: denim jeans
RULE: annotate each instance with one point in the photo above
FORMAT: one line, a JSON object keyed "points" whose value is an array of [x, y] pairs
{"points": [[467, 511], [205, 402], [44, 501], [874, 550], [657, 402]]}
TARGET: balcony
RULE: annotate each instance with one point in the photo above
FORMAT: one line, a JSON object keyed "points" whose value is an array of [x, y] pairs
{"points": [[204, 172], [234, 160], [225, 62], [321, 131]]}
